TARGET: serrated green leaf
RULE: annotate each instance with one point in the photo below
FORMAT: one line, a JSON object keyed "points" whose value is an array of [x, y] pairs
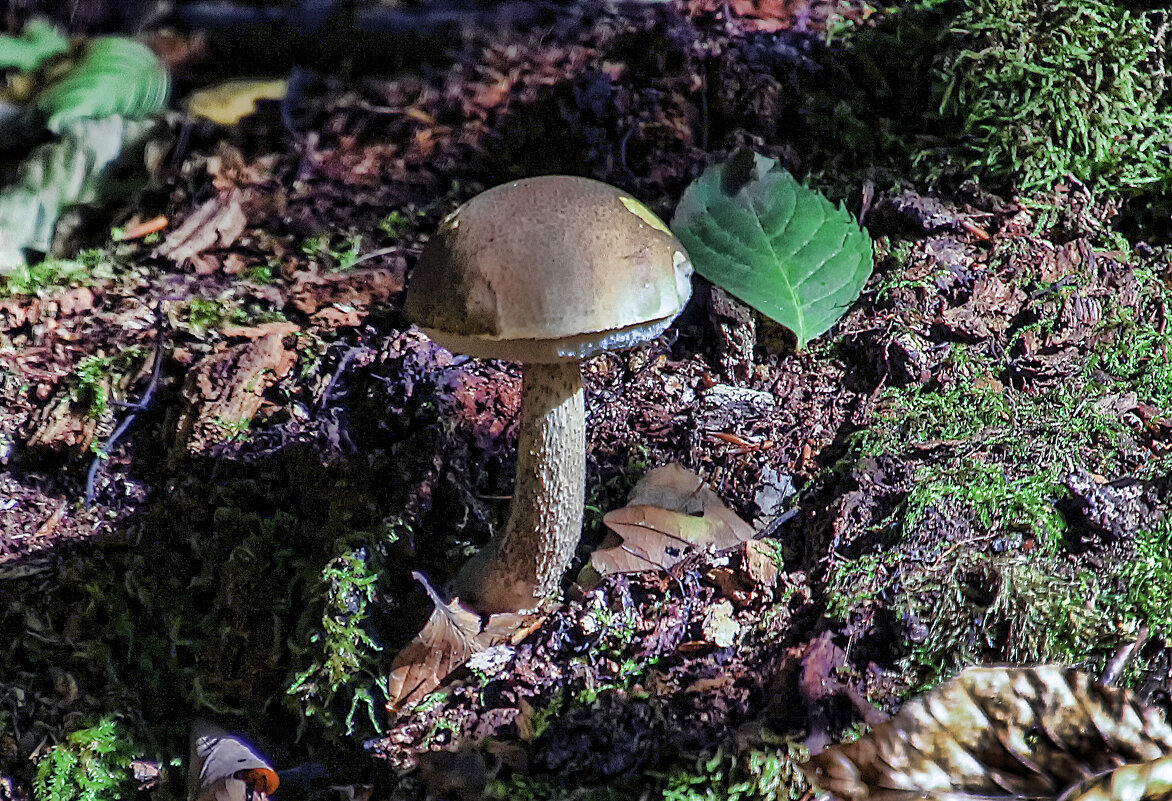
{"points": [[38, 43], [781, 247], [114, 76]]}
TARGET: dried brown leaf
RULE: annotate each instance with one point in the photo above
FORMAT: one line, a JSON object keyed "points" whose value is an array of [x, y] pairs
{"points": [[671, 511], [446, 641], [997, 732], [215, 224], [452, 634]]}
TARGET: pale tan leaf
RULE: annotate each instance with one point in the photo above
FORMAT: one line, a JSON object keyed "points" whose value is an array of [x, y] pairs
{"points": [[229, 102], [223, 767], [719, 626], [760, 564], [451, 636], [215, 224], [678, 489], [652, 538], [675, 487], [671, 513], [1150, 781], [997, 732]]}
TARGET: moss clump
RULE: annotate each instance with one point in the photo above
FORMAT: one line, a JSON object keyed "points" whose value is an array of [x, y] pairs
{"points": [[92, 764], [1020, 93], [345, 667], [95, 376], [1045, 88], [1147, 577], [1010, 608], [759, 773]]}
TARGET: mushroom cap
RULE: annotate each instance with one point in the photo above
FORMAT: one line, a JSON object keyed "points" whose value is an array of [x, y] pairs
{"points": [[549, 268]]}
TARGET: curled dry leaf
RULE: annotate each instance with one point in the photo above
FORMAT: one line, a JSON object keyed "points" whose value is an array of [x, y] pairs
{"points": [[215, 224], [224, 767], [998, 732], [671, 512], [452, 634]]}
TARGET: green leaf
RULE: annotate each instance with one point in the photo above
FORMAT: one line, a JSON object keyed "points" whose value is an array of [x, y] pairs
{"points": [[115, 76], [783, 248], [39, 42]]}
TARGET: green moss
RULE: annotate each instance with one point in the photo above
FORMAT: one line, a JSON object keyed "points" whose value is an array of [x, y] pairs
{"points": [[975, 562], [1005, 608], [1147, 579], [398, 223], [990, 451], [344, 683], [209, 314], [94, 376], [335, 253], [857, 583], [1138, 361], [1000, 498], [36, 279], [261, 274], [1020, 93], [1045, 88], [93, 764], [759, 773]]}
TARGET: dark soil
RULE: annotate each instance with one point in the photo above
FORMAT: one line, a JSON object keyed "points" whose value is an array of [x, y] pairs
{"points": [[305, 422]]}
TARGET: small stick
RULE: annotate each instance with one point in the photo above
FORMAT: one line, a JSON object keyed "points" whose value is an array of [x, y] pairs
{"points": [[1119, 661], [135, 410]]}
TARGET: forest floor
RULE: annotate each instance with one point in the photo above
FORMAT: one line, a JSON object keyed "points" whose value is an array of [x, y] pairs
{"points": [[971, 466]]}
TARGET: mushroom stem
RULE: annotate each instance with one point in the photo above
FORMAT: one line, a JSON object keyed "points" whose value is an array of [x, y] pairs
{"points": [[525, 563]]}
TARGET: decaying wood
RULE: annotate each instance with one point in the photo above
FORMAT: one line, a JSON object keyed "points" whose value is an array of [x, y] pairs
{"points": [[62, 426], [225, 389], [736, 332]]}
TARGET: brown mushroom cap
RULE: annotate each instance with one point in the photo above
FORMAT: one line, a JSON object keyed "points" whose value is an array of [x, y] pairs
{"points": [[546, 269]]}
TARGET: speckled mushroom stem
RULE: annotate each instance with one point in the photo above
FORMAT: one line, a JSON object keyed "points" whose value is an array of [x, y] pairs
{"points": [[525, 563]]}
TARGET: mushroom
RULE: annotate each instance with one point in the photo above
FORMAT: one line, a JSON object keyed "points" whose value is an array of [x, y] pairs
{"points": [[545, 271]]}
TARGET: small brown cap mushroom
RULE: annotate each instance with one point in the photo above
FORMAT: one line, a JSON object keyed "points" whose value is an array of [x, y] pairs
{"points": [[549, 268], [545, 271]]}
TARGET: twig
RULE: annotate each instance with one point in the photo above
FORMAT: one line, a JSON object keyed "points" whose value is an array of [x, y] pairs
{"points": [[1122, 656], [343, 363], [374, 254], [135, 409]]}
